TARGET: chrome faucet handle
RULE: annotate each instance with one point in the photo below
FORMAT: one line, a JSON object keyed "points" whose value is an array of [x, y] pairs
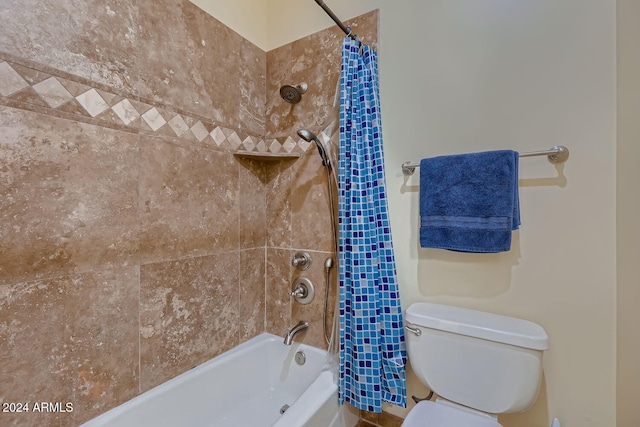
{"points": [[301, 260], [303, 290], [300, 291]]}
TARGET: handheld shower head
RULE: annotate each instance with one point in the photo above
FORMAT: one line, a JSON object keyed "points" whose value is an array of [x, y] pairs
{"points": [[328, 263], [307, 135], [310, 136]]}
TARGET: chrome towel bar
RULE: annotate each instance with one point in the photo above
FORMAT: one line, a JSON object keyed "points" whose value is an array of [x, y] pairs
{"points": [[557, 154]]}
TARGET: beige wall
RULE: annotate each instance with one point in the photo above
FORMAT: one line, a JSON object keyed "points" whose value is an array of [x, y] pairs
{"points": [[628, 212], [246, 17], [522, 75], [293, 19], [270, 24], [462, 76]]}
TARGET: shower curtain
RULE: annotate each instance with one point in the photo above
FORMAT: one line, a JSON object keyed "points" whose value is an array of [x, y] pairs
{"points": [[372, 346]]}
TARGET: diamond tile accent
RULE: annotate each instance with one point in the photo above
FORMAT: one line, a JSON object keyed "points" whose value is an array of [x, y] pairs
{"points": [[261, 147], [275, 146], [234, 141], [58, 93], [154, 119], [249, 144], [289, 145], [10, 80], [110, 98], [178, 125], [199, 131], [125, 111], [304, 145], [218, 136], [332, 128], [140, 106], [92, 102], [52, 91], [327, 142]]}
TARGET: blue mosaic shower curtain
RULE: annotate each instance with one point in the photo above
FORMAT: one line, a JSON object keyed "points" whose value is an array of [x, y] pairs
{"points": [[372, 346]]}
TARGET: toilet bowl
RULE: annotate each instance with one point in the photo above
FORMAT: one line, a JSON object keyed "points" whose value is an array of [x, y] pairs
{"points": [[444, 414], [479, 364]]}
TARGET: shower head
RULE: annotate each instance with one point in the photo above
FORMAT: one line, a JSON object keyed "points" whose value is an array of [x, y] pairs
{"points": [[307, 135], [293, 94], [310, 136]]}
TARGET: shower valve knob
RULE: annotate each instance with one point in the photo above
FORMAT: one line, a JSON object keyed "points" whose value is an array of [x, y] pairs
{"points": [[301, 260], [303, 290], [300, 291]]}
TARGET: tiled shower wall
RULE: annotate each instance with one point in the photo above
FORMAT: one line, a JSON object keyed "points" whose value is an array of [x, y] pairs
{"points": [[297, 202], [134, 244]]}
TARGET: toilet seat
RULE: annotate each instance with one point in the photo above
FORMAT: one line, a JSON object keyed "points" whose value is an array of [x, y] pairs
{"points": [[437, 414]]}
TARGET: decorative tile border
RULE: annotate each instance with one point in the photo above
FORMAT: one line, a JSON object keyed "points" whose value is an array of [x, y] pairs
{"points": [[59, 94]]}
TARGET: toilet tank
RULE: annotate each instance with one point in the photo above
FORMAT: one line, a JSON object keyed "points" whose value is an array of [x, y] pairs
{"points": [[485, 361]]}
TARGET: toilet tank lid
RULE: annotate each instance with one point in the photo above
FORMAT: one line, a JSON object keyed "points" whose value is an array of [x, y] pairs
{"points": [[478, 324]]}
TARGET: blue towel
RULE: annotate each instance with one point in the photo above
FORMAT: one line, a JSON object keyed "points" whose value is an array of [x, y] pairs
{"points": [[469, 202]]}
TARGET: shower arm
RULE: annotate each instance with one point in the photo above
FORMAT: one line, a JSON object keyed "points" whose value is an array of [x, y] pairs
{"points": [[333, 16]]}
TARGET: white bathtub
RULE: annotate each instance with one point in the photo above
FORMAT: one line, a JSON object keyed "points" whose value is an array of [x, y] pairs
{"points": [[246, 386]]}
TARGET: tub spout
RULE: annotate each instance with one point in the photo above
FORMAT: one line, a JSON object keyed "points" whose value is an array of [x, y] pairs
{"points": [[301, 326]]}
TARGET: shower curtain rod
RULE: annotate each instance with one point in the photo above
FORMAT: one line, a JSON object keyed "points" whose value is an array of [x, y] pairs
{"points": [[333, 16], [557, 154]]}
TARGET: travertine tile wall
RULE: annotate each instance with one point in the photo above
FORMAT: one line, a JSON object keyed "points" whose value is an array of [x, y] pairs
{"points": [[297, 203], [134, 244], [126, 222]]}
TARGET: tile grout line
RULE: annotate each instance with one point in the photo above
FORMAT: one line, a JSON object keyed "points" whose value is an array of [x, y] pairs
{"points": [[138, 267]]}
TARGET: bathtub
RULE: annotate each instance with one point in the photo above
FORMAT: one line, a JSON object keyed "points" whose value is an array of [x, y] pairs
{"points": [[256, 384]]}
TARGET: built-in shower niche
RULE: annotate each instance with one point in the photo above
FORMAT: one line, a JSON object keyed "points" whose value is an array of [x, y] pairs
{"points": [[266, 157], [259, 162]]}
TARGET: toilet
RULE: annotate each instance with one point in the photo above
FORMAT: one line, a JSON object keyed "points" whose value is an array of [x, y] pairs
{"points": [[479, 364]]}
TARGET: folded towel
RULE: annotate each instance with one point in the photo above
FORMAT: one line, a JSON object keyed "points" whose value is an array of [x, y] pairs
{"points": [[469, 202]]}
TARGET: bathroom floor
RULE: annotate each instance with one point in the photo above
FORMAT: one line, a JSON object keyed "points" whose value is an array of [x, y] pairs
{"points": [[370, 419], [363, 423]]}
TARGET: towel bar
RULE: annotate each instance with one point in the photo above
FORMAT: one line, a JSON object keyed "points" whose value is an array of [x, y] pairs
{"points": [[557, 154]]}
